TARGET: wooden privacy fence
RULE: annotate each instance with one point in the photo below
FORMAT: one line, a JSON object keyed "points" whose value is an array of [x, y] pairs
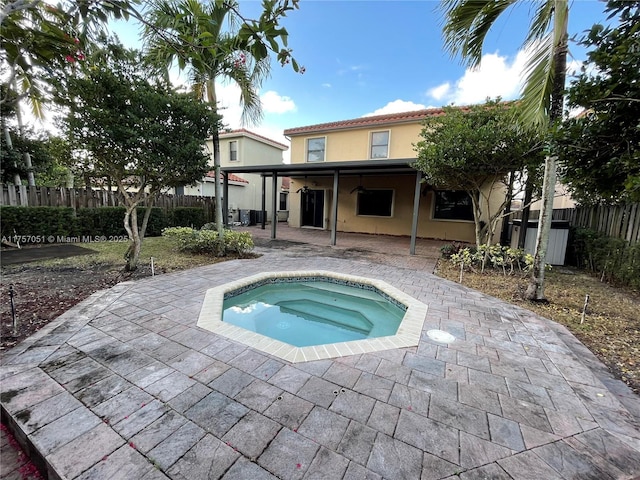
{"points": [[25, 196], [620, 221]]}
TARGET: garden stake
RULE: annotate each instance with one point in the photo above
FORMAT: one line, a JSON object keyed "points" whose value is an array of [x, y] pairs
{"points": [[13, 310], [584, 309], [153, 271], [461, 267]]}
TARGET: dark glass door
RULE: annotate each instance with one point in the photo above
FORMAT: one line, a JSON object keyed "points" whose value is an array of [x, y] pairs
{"points": [[313, 208]]}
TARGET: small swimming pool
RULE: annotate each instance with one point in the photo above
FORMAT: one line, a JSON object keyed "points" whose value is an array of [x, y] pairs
{"points": [[312, 315], [314, 311]]}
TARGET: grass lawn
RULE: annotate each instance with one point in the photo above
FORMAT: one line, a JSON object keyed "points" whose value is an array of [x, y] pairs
{"points": [[110, 256], [611, 328]]}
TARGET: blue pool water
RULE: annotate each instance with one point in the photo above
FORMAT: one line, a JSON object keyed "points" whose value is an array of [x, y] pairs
{"points": [[313, 312]]}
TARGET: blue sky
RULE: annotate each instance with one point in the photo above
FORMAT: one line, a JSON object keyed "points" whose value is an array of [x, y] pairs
{"points": [[368, 57]]}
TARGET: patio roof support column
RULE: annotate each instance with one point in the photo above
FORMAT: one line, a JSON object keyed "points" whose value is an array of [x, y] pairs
{"points": [[264, 201], [334, 208], [225, 199], [274, 204], [416, 208]]}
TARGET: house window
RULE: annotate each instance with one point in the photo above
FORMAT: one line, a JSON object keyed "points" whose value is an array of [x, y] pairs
{"points": [[378, 203], [380, 145], [233, 151], [315, 149], [452, 205], [283, 201]]}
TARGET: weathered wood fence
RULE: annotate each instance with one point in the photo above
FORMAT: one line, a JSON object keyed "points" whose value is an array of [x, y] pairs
{"points": [[620, 221], [25, 196]]}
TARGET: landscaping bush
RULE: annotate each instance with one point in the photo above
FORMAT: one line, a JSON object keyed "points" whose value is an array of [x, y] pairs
{"points": [[37, 224], [496, 256], [206, 241], [614, 259], [452, 248], [109, 221], [187, 217]]}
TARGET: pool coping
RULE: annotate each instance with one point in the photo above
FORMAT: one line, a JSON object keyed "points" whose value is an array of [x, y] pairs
{"points": [[408, 334]]}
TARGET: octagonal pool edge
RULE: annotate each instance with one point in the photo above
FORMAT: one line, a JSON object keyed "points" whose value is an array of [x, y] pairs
{"points": [[408, 334]]}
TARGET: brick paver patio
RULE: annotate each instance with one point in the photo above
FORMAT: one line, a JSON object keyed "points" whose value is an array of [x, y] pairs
{"points": [[125, 386]]}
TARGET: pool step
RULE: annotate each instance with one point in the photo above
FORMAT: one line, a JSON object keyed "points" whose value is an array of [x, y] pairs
{"points": [[333, 315]]}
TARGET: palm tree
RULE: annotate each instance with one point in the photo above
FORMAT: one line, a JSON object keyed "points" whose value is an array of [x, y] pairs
{"points": [[467, 23], [203, 38]]}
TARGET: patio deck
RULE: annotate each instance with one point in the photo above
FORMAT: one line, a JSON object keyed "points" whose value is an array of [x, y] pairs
{"points": [[125, 385]]}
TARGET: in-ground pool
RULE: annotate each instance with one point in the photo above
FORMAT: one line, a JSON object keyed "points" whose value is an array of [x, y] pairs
{"points": [[314, 311], [303, 316]]}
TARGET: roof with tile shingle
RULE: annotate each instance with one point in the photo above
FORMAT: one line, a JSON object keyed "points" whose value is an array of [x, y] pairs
{"points": [[390, 118]]}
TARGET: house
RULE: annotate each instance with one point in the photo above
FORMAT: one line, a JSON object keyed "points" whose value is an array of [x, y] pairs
{"points": [[241, 148], [356, 176]]}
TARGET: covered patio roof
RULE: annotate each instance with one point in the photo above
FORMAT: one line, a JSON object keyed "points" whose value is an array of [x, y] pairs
{"points": [[357, 167], [396, 166]]}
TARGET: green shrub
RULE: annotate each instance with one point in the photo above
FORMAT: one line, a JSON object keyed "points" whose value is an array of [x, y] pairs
{"points": [[207, 241], [187, 217], [449, 249], [614, 259], [36, 224], [496, 256]]}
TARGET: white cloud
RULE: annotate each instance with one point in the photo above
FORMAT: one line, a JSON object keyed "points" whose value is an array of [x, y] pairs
{"points": [[273, 102], [326, 85], [440, 91], [396, 106]]}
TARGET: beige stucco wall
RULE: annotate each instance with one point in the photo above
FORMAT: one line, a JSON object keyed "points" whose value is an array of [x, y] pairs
{"points": [[250, 152], [354, 144], [400, 221]]}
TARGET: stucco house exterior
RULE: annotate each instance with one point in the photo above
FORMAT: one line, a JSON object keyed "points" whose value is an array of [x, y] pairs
{"points": [[241, 148], [356, 176]]}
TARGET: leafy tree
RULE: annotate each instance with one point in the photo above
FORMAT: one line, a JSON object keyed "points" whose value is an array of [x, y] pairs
{"points": [[133, 128], [482, 150], [212, 42], [467, 23], [41, 42], [600, 149]]}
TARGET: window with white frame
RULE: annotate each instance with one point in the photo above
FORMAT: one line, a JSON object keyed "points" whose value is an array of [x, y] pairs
{"points": [[379, 145], [315, 149], [452, 205], [233, 151], [375, 203]]}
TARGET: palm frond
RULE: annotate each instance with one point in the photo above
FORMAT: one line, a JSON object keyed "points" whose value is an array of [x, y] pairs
{"points": [[538, 83], [541, 21], [467, 23]]}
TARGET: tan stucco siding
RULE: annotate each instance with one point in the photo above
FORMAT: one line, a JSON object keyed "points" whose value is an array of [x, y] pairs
{"points": [[355, 144], [400, 221]]}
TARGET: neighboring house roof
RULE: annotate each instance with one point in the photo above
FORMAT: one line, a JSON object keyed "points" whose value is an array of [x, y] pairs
{"points": [[232, 177], [242, 132], [391, 118]]}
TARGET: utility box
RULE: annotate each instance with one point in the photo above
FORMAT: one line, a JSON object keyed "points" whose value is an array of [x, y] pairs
{"points": [[245, 218], [255, 217], [558, 239]]}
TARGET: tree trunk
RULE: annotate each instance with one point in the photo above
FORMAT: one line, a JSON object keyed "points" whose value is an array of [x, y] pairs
{"points": [[131, 225], [213, 100], [535, 289], [528, 195], [217, 186], [7, 138]]}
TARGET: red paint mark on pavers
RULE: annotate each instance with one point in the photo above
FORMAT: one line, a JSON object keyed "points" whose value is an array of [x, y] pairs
{"points": [[143, 405], [104, 459], [298, 465], [409, 408], [26, 470], [133, 445], [106, 420]]}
